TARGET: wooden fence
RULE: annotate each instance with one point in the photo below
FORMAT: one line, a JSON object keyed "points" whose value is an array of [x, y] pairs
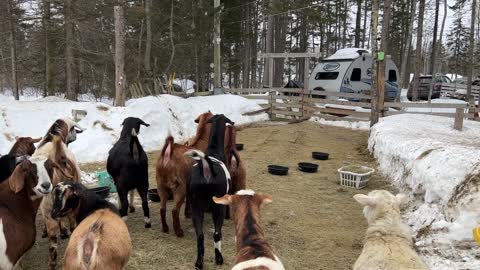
{"points": [[450, 90], [294, 103]]}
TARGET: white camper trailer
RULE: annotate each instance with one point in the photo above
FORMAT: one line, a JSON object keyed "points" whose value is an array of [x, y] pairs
{"points": [[350, 71]]}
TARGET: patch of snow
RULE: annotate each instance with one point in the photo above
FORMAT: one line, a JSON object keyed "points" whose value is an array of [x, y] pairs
{"points": [[347, 53], [431, 162], [165, 114], [186, 85], [361, 125]]}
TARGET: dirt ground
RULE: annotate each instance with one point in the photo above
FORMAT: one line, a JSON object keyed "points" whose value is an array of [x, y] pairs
{"points": [[313, 223]]}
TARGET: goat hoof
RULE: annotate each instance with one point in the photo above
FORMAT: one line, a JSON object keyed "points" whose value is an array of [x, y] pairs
{"points": [[44, 234], [165, 229], [179, 233], [199, 265], [148, 225], [218, 258], [131, 209]]}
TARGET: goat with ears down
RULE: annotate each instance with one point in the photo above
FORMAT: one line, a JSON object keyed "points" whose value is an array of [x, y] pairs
{"points": [[127, 163], [209, 177]]}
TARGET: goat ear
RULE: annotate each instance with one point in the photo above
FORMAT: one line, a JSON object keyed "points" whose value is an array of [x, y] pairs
{"points": [[16, 138], [17, 179], [37, 140], [365, 199], [225, 200], [401, 198], [143, 123]]}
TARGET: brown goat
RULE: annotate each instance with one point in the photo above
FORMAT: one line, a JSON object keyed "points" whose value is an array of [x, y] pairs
{"points": [[23, 146], [173, 169], [253, 251], [101, 241]]}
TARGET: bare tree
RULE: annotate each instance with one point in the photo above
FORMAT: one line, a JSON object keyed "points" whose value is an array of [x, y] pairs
{"points": [[471, 60], [383, 48], [434, 41], [406, 53], [70, 61], [13, 47], [418, 48], [120, 76], [48, 90], [358, 22], [148, 45]]}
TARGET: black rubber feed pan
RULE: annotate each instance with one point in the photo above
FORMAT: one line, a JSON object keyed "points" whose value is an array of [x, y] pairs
{"points": [[239, 146], [277, 170], [103, 192], [320, 155], [153, 195], [308, 167]]}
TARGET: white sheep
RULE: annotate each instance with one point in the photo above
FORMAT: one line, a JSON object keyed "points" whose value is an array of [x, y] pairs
{"points": [[388, 241]]}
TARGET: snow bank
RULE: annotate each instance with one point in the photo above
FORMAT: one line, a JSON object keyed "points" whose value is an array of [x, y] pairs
{"points": [[165, 114], [361, 125], [439, 168]]}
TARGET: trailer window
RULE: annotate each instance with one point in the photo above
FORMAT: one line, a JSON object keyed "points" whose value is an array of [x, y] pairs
{"points": [[356, 75], [392, 75], [326, 76]]}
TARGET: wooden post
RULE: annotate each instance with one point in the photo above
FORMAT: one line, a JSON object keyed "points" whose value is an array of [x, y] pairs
{"points": [[270, 85], [459, 114], [306, 87]]}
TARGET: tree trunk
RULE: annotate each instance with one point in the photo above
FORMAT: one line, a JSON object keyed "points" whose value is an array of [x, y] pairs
{"points": [[172, 43], [268, 47], [246, 48], [418, 48], [345, 17], [434, 41], [358, 22], [303, 46], [383, 48], [120, 76], [13, 48], [406, 54], [374, 92], [471, 58], [364, 35], [48, 88], [439, 44], [148, 44], [70, 61], [253, 48]]}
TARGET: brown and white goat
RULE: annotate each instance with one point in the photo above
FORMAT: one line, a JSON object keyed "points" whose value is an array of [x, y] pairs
{"points": [[70, 171], [101, 240], [253, 251], [20, 197]]}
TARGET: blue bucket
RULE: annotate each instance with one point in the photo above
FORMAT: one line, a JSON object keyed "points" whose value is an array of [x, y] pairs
{"points": [[105, 180]]}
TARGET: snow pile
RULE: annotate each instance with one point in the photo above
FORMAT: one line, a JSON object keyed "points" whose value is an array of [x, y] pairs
{"points": [[361, 125], [439, 168], [347, 53], [165, 114]]}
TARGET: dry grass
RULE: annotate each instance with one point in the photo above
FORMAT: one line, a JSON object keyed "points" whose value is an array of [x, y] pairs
{"points": [[313, 223]]}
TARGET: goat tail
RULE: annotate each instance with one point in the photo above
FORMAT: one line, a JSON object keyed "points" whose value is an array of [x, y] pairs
{"points": [[88, 246], [232, 154], [167, 149]]}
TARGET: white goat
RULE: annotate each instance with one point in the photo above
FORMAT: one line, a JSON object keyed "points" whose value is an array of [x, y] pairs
{"points": [[388, 241]]}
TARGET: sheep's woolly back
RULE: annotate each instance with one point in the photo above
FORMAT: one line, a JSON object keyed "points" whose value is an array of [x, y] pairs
{"points": [[388, 241]]}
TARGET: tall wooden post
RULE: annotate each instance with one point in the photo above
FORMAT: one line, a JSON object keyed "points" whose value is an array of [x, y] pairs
{"points": [[471, 58], [217, 55], [374, 92], [382, 62]]}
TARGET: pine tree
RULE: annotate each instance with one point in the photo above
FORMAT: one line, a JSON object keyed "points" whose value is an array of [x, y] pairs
{"points": [[457, 41]]}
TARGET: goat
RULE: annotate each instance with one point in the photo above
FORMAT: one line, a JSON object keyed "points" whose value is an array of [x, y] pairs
{"points": [[253, 251], [233, 161], [209, 177], [128, 165], [101, 240], [21, 149], [388, 241], [66, 128], [173, 169], [21, 196], [24, 146], [70, 171]]}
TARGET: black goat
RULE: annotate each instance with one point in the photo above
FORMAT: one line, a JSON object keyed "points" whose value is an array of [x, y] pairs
{"points": [[208, 178], [73, 197], [128, 165]]}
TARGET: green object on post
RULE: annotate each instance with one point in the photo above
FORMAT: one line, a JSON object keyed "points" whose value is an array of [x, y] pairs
{"points": [[105, 180], [381, 56]]}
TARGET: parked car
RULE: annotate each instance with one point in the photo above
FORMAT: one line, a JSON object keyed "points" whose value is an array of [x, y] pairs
{"points": [[424, 86]]}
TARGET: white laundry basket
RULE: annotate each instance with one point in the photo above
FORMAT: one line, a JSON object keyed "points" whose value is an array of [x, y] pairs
{"points": [[354, 180]]}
